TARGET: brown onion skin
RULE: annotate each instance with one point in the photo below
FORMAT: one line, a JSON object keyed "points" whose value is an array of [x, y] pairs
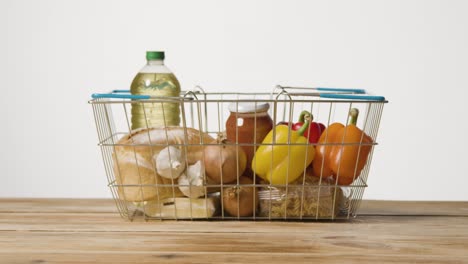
{"points": [[221, 164], [239, 200]]}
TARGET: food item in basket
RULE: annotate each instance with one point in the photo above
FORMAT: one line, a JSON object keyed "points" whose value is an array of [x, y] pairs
{"points": [[182, 207], [283, 159], [346, 159], [155, 79], [240, 200], [191, 182], [248, 124], [303, 198], [224, 161], [170, 162], [134, 168], [315, 129]]}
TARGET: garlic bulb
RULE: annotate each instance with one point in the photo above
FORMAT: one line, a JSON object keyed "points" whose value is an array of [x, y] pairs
{"points": [[191, 183], [170, 162]]}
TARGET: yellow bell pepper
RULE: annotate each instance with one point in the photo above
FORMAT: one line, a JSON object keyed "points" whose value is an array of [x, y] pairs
{"points": [[283, 159]]}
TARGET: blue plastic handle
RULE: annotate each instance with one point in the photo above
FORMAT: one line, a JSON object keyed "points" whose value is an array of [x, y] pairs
{"points": [[120, 96], [353, 97], [345, 90]]}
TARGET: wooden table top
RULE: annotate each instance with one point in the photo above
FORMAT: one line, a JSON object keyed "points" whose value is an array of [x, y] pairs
{"points": [[90, 230]]}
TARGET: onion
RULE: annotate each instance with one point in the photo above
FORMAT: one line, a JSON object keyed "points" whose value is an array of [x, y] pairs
{"points": [[240, 200], [224, 162]]}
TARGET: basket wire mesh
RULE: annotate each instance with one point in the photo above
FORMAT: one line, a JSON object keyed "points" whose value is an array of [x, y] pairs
{"points": [[154, 198]]}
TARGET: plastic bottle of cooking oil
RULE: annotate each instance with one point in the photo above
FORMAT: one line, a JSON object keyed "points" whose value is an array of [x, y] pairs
{"points": [[155, 79]]}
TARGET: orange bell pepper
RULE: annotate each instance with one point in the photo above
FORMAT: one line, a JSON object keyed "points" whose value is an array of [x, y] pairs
{"points": [[342, 151]]}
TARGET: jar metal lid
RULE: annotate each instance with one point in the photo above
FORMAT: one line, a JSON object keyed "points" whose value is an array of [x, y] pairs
{"points": [[248, 107]]}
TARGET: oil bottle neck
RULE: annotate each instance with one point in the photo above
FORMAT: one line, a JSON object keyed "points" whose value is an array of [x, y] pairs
{"points": [[155, 62]]}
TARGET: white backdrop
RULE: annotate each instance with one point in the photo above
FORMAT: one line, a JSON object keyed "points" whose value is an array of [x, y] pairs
{"points": [[54, 54]]}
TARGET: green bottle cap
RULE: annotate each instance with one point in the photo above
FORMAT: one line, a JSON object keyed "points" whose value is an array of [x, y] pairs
{"points": [[155, 55]]}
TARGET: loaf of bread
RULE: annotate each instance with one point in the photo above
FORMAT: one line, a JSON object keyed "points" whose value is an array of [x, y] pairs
{"points": [[135, 166]]}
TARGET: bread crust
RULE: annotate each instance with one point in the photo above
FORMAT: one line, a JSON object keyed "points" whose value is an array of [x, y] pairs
{"points": [[135, 168]]}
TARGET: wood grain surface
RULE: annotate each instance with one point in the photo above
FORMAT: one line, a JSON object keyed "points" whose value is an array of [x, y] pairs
{"points": [[80, 231]]}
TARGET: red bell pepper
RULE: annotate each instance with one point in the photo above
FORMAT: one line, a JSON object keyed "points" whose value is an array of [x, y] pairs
{"points": [[315, 129]]}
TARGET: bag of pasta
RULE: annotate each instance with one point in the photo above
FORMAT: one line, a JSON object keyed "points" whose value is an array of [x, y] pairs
{"points": [[302, 198]]}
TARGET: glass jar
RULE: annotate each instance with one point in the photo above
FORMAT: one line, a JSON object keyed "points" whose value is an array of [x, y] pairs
{"points": [[248, 124]]}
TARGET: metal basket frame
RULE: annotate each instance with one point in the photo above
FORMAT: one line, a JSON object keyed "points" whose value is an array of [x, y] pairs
{"points": [[200, 109]]}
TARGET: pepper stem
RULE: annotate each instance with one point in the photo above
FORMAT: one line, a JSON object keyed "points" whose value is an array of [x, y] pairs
{"points": [[303, 114], [353, 116], [306, 117]]}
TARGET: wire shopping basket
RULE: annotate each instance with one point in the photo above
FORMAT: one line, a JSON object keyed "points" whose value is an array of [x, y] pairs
{"points": [[294, 153]]}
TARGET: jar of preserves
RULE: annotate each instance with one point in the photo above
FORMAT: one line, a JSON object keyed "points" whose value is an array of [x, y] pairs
{"points": [[247, 125]]}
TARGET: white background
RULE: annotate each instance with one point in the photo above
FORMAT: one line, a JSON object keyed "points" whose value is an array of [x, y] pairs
{"points": [[54, 54]]}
